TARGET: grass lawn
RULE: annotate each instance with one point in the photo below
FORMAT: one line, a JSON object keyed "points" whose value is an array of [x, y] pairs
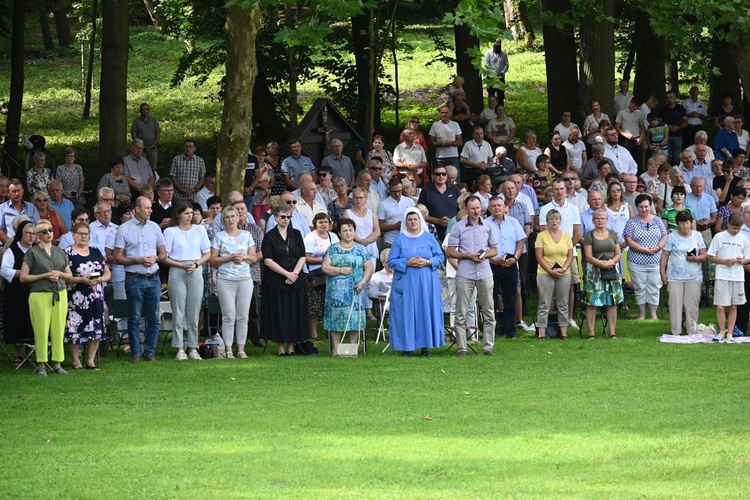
{"points": [[584, 419]]}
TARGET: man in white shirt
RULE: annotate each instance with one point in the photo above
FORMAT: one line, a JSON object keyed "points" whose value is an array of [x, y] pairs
{"points": [[476, 157], [571, 224], [103, 226], [623, 97], [630, 129], [410, 156], [364, 181], [621, 157], [307, 205], [445, 137], [576, 149], [697, 113], [208, 190], [392, 209], [496, 60]]}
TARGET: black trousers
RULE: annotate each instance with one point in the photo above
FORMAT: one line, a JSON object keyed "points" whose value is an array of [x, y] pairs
{"points": [[505, 281]]}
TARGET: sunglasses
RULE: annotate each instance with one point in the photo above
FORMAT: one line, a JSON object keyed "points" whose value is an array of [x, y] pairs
{"points": [[285, 217], [291, 202], [323, 174], [376, 168], [45, 231], [567, 179], [441, 174], [42, 200]]}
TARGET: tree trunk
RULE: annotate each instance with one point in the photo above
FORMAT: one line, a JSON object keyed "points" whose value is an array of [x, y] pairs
{"points": [[723, 58], [156, 19], [525, 21], [15, 103], [90, 69], [465, 66], [650, 78], [561, 64], [672, 75], [598, 58], [741, 54], [241, 28], [517, 19], [113, 102], [47, 41], [372, 97], [290, 20], [62, 25], [362, 55]]}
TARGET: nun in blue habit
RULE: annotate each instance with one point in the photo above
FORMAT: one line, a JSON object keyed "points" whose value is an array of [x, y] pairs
{"points": [[416, 307]]}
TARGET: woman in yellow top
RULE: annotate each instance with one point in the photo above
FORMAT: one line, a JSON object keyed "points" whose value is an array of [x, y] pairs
{"points": [[554, 253]]}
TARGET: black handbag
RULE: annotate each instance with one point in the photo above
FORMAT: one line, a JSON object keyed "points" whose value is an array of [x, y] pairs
{"points": [[317, 278], [608, 274]]}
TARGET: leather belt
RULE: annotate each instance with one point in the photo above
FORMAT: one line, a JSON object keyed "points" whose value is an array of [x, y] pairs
{"points": [[144, 276]]}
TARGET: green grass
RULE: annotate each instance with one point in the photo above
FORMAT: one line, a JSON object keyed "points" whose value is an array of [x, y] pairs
{"points": [[580, 419]]}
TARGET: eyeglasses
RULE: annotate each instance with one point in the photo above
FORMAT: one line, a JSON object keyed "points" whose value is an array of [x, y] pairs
{"points": [[82, 219], [82, 234], [360, 198], [285, 217], [104, 212], [42, 200], [28, 233], [567, 179], [45, 231], [396, 191], [440, 174], [615, 190], [291, 202]]}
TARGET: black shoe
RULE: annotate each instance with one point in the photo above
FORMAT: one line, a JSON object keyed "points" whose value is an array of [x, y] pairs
{"points": [[426, 353], [407, 353]]}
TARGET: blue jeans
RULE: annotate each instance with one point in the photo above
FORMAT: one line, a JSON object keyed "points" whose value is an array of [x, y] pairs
{"points": [[674, 146], [143, 299]]}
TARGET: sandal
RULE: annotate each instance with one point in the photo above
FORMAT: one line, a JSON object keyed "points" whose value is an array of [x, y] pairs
{"points": [[564, 338], [242, 355], [17, 361], [591, 337], [613, 337], [90, 367]]}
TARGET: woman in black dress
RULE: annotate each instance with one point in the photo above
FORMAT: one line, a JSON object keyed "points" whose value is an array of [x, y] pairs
{"points": [[16, 294], [284, 304]]}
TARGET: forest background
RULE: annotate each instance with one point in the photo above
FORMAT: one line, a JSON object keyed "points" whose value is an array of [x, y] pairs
{"points": [[240, 72]]}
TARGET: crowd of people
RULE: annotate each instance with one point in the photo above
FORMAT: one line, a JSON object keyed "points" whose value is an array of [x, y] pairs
{"points": [[500, 218]]}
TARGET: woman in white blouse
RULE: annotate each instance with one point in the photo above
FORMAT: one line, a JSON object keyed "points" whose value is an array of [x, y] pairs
{"points": [[187, 249]]}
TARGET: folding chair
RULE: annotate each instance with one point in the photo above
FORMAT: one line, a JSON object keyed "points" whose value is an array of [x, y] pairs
{"points": [[165, 324], [382, 329], [29, 347], [121, 311], [213, 310]]}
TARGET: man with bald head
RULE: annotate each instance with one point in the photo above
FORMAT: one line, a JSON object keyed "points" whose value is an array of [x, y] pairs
{"points": [[307, 206], [140, 246]]}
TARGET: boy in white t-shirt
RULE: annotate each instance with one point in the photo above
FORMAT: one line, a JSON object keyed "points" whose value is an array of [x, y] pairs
{"points": [[730, 251]]}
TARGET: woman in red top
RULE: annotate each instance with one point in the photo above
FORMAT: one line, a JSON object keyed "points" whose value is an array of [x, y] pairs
{"points": [[41, 202]]}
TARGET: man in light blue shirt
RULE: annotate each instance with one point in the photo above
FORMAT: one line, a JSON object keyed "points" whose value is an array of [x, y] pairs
{"points": [[473, 243], [511, 238], [13, 207], [140, 246], [704, 208], [298, 220], [295, 163], [61, 205]]}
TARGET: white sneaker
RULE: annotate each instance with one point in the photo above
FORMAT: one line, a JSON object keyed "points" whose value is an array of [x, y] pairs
{"points": [[181, 356], [194, 355], [572, 324], [525, 326]]}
